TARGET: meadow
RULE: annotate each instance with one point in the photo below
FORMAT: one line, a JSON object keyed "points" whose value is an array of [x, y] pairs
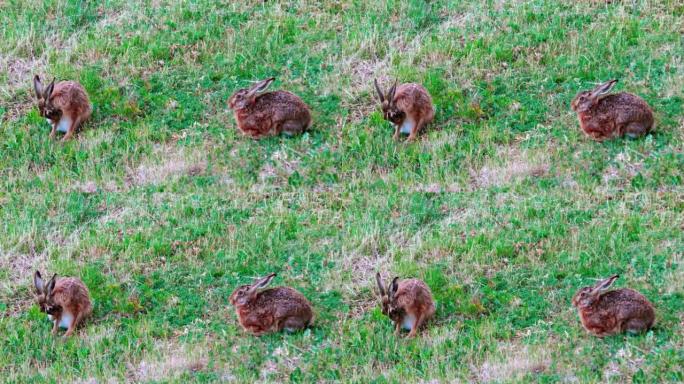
{"points": [[503, 207]]}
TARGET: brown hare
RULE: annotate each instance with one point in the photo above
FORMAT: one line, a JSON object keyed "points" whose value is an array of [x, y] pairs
{"points": [[605, 116], [270, 310], [408, 303], [408, 107], [66, 301], [65, 105], [260, 114], [605, 312]]}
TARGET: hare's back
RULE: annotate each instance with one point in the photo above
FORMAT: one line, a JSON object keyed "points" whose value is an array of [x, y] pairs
{"points": [[625, 300], [625, 106], [70, 290], [414, 92], [411, 290], [413, 97], [412, 285], [70, 95], [282, 104], [282, 297], [412, 89]]}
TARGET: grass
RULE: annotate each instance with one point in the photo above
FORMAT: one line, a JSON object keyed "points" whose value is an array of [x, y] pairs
{"points": [[503, 207]]}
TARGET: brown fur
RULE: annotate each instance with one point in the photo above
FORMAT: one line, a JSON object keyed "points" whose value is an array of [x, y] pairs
{"points": [[603, 116], [66, 99], [60, 295], [407, 102], [270, 310], [605, 313], [410, 297], [270, 113]]}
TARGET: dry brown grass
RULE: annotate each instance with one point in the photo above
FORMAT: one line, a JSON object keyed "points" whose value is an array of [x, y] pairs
{"points": [[515, 165], [20, 72], [21, 261], [623, 367], [172, 361], [357, 266], [171, 163], [512, 361]]}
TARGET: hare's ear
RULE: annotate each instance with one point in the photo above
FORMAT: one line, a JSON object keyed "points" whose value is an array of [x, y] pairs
{"points": [[603, 89], [392, 91], [264, 281], [394, 286], [377, 89], [38, 282], [260, 283], [37, 86], [51, 285], [48, 90], [261, 86], [378, 278], [602, 285]]}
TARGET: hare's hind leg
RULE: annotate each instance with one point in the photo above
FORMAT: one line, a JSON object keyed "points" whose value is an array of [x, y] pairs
{"points": [[416, 325], [294, 324], [72, 128], [635, 326], [293, 127], [415, 130], [77, 321], [70, 330], [635, 129]]}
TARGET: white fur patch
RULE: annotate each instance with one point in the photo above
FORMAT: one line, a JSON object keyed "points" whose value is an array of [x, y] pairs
{"points": [[66, 320], [50, 317], [408, 321], [64, 124], [406, 127]]}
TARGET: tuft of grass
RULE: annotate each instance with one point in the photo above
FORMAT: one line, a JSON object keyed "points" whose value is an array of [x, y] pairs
{"points": [[502, 207]]}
